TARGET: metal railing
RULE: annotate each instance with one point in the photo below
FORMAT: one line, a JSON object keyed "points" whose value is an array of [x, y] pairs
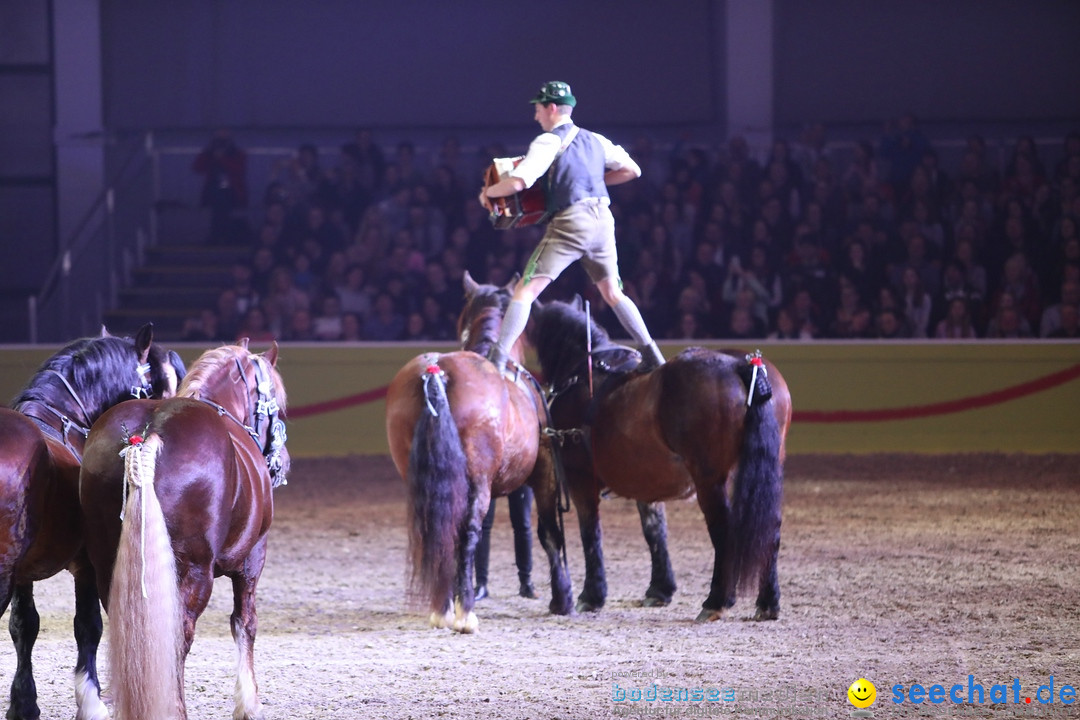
{"points": [[97, 259]]}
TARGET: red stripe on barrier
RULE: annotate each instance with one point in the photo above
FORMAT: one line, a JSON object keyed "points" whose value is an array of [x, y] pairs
{"points": [[337, 404], [942, 408], [807, 416]]}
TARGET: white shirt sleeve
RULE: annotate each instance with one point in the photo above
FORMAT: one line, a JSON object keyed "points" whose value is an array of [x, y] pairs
{"points": [[542, 152], [615, 157]]}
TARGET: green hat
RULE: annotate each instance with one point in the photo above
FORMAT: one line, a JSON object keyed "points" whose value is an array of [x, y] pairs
{"points": [[555, 92]]}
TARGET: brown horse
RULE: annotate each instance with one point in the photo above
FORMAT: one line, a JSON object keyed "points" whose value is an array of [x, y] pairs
{"points": [[175, 493], [41, 446], [461, 433], [690, 426]]}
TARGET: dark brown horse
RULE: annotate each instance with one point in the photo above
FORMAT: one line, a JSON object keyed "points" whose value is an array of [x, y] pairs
{"points": [[681, 429], [41, 446], [175, 493], [461, 433]]}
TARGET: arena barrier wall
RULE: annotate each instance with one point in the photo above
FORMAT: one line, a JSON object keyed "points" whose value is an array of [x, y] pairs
{"points": [[856, 398]]}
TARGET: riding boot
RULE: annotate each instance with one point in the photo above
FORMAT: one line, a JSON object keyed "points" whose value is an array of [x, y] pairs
{"points": [[523, 558], [520, 504], [483, 553], [651, 358]]}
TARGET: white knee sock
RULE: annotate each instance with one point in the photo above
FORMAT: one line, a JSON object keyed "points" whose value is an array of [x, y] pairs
{"points": [[630, 318], [513, 324]]}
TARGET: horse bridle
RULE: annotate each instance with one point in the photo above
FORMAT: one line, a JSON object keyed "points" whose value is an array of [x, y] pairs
{"points": [[142, 390], [266, 405]]}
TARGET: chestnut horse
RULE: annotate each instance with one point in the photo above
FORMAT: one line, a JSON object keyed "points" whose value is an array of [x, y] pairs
{"points": [[681, 429], [175, 493], [41, 445], [460, 433]]}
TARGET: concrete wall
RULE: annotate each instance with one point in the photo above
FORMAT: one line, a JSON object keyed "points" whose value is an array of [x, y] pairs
{"points": [[410, 63], [848, 398], [402, 62], [962, 61]]}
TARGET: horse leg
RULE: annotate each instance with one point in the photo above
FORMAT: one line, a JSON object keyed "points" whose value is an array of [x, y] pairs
{"points": [[654, 527], [87, 639], [587, 505], [23, 624], [464, 596], [550, 532], [714, 504], [195, 584], [244, 624]]}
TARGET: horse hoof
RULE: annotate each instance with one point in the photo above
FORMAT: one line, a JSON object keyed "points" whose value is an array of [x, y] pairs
{"points": [[440, 620], [709, 615], [766, 614], [560, 607], [98, 712], [584, 606], [466, 625], [655, 602], [88, 700]]}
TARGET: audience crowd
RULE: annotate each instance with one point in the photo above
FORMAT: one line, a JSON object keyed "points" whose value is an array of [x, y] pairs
{"points": [[886, 243]]}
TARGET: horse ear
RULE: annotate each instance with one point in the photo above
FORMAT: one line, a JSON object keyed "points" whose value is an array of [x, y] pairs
{"points": [[104, 331], [577, 303], [271, 354], [143, 339], [509, 287], [243, 342], [471, 286]]}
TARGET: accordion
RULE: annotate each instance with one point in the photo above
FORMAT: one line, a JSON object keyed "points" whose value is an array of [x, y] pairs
{"points": [[528, 207]]}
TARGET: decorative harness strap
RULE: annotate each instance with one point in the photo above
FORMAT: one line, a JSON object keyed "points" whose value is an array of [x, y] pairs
{"points": [[266, 405]]}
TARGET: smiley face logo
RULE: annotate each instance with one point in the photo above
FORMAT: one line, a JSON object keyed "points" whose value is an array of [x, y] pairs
{"points": [[862, 693]]}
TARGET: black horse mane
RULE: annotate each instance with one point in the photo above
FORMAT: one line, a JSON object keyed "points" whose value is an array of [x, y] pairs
{"points": [[558, 332], [482, 317], [101, 369]]}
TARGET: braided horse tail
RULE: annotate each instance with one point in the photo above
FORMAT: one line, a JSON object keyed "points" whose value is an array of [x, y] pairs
{"points": [[438, 496], [144, 601]]}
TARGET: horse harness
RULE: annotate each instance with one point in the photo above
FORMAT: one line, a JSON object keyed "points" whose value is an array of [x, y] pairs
{"points": [[600, 361], [142, 390], [266, 406]]}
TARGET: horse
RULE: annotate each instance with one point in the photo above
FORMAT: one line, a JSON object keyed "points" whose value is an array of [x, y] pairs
{"points": [[460, 433], [690, 426], [41, 446], [174, 493]]}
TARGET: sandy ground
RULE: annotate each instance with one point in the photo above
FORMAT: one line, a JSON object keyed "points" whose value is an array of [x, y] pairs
{"points": [[898, 569]]}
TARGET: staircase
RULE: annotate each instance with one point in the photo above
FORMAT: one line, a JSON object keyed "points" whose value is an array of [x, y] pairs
{"points": [[181, 275]]}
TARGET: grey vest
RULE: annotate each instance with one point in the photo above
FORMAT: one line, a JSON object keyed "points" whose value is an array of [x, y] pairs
{"points": [[576, 174]]}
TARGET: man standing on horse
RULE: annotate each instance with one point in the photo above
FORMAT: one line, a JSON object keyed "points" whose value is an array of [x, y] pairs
{"points": [[576, 166]]}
